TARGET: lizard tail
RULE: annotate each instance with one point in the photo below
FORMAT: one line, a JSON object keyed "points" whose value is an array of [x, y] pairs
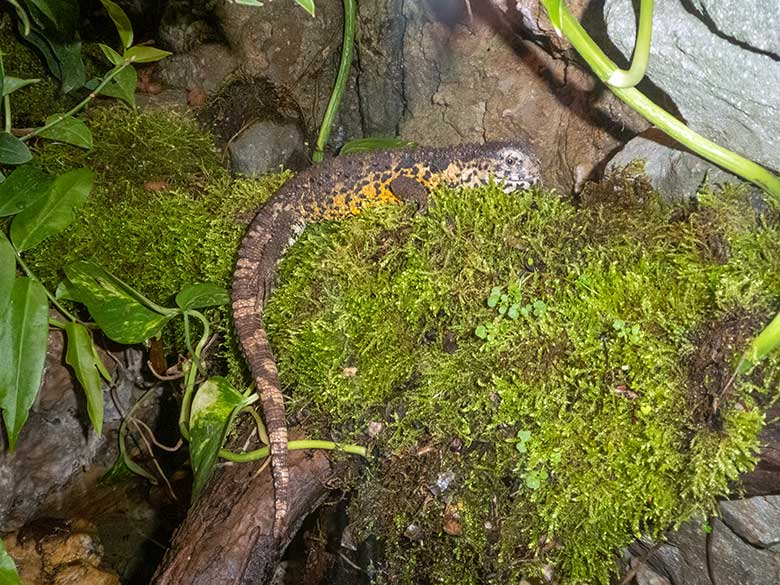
{"points": [[268, 236]]}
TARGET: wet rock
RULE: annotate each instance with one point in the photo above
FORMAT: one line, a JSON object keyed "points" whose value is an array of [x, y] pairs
{"points": [[266, 146], [703, 61], [734, 562]]}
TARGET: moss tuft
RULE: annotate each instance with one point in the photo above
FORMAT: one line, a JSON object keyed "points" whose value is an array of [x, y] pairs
{"points": [[541, 356], [163, 212]]}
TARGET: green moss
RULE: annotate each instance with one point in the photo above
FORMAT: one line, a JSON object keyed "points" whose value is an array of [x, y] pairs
{"points": [[163, 212], [569, 431]]}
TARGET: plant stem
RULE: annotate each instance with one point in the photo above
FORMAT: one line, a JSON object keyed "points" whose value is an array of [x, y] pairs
{"points": [[623, 78], [565, 22], [341, 80], [92, 95], [191, 374], [293, 446], [52, 298]]}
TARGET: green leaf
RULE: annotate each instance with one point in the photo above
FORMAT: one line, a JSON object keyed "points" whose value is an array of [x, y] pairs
{"points": [[213, 410], [121, 312], [24, 20], [122, 86], [24, 328], [53, 212], [22, 188], [142, 54], [113, 57], [82, 357], [63, 58], [12, 150], [69, 130], [308, 5], [199, 296], [524, 436], [7, 272], [374, 143], [481, 332], [11, 84], [121, 22], [62, 15], [8, 574]]}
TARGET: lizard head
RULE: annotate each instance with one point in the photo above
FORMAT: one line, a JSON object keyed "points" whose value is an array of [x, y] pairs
{"points": [[513, 166]]}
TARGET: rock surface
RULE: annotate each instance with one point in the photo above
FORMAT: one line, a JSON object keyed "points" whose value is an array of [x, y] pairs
{"points": [[716, 60], [743, 548], [427, 71]]}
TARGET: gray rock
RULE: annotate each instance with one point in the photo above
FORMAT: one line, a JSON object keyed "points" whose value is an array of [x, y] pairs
{"points": [[753, 22], [756, 520], [265, 146], [735, 562], [726, 90], [677, 174], [205, 66]]}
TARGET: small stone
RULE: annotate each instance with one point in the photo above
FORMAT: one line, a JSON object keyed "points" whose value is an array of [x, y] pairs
{"points": [[374, 428], [197, 97], [456, 445], [443, 482], [413, 532], [349, 372]]}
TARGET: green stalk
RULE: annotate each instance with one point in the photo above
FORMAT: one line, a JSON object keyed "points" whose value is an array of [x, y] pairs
{"points": [[292, 446], [113, 73], [566, 24], [623, 78], [190, 375], [341, 80]]}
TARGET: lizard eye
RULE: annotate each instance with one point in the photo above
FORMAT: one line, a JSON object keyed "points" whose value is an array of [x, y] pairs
{"points": [[510, 160]]}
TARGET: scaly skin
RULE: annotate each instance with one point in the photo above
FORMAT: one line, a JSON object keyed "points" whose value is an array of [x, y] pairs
{"points": [[336, 189]]}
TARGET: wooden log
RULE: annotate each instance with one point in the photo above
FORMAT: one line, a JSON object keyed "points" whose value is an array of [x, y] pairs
{"points": [[227, 535]]}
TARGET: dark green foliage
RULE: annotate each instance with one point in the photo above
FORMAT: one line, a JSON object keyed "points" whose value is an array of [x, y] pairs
{"points": [[583, 420]]}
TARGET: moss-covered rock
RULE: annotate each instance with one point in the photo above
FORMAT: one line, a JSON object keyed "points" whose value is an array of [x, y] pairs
{"points": [[163, 212], [535, 368]]}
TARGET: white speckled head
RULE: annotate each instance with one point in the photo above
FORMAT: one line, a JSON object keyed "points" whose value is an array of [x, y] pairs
{"points": [[515, 168]]}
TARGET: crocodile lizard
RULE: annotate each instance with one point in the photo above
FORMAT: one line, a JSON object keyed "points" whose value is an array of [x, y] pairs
{"points": [[336, 189]]}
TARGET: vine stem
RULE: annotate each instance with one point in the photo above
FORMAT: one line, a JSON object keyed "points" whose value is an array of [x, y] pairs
{"points": [[190, 375], [52, 298], [293, 446], [341, 80], [93, 94], [623, 78], [603, 67]]}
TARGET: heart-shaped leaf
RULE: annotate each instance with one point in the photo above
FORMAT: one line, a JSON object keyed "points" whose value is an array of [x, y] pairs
{"points": [[68, 129], [24, 328], [213, 411], [123, 314], [199, 296], [54, 211], [12, 150]]}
